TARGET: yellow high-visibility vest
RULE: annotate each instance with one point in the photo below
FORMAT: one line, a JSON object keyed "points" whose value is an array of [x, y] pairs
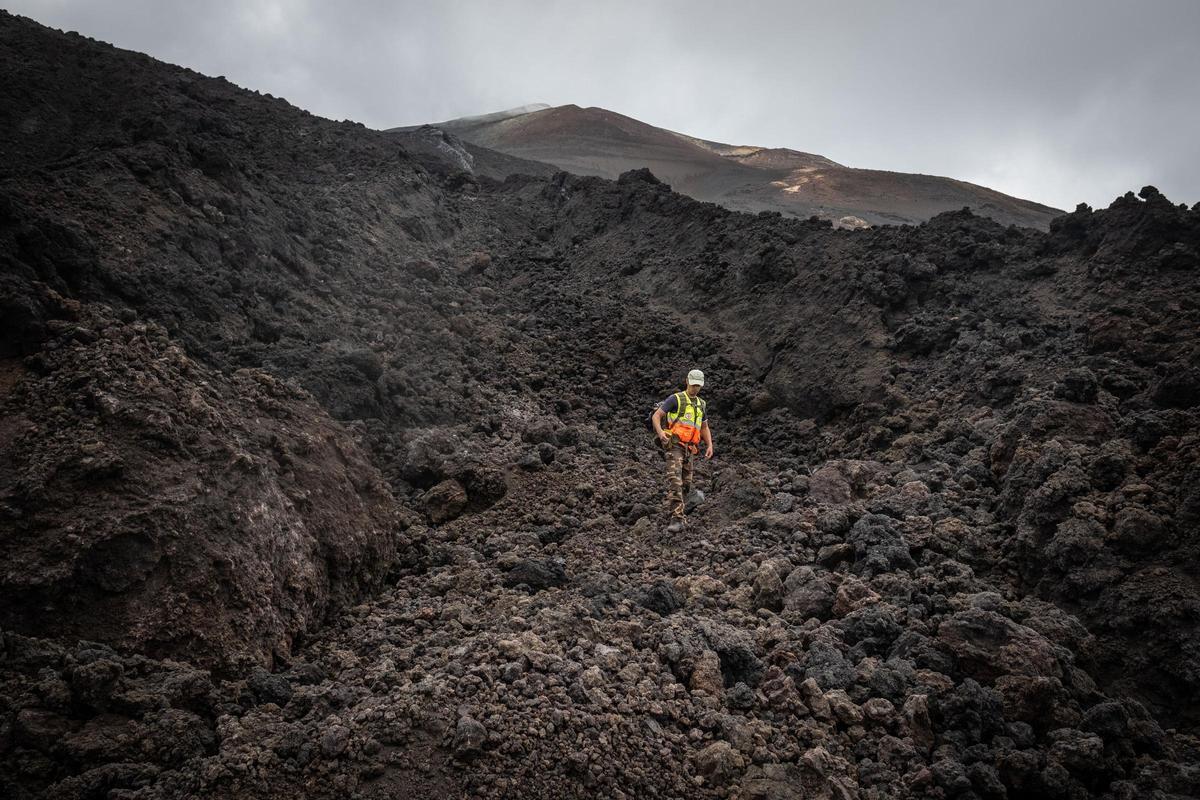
{"points": [[687, 419]]}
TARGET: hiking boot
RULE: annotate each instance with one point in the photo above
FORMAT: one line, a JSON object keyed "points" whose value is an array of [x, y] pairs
{"points": [[694, 498], [676, 526]]}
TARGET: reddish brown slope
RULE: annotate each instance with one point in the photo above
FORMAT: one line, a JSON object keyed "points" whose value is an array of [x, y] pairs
{"points": [[595, 141]]}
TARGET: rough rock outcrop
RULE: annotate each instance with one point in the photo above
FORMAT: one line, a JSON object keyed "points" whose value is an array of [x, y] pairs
{"points": [[154, 504]]}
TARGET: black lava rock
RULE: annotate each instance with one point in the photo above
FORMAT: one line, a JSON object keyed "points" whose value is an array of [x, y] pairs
{"points": [[536, 574]]}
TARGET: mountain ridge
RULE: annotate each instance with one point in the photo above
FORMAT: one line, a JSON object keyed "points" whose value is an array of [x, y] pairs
{"points": [[597, 141]]}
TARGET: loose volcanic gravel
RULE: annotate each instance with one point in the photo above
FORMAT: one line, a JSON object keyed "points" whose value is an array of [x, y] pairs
{"points": [[323, 474]]}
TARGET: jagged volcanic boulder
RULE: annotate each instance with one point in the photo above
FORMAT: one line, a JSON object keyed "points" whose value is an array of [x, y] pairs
{"points": [[153, 504]]}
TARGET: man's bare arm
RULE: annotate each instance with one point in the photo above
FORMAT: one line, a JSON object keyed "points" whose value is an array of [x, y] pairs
{"points": [[656, 420]]}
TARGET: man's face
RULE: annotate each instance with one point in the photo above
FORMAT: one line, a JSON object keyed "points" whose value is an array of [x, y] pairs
{"points": [[693, 389]]}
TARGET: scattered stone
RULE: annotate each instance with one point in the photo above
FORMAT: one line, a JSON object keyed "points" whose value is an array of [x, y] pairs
{"points": [[768, 588], [1078, 385], [535, 574], [828, 667], [592, 677], [831, 555], [815, 699], [469, 737], [829, 487], [334, 741], [706, 675], [917, 721], [843, 707], [988, 645], [879, 710], [853, 594], [719, 762], [808, 594], [661, 598], [268, 687]]}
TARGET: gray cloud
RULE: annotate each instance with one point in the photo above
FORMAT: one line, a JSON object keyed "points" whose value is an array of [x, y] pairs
{"points": [[1059, 102]]}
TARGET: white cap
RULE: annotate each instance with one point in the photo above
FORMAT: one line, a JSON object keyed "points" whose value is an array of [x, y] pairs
{"points": [[696, 377]]}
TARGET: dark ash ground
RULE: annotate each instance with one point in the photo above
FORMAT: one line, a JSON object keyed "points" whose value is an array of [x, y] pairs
{"points": [[322, 474]]}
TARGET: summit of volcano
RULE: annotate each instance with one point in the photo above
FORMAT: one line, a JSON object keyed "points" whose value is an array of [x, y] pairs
{"points": [[596, 141]]}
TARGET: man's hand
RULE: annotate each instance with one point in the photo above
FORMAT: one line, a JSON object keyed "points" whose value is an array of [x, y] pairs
{"points": [[708, 451], [663, 437]]}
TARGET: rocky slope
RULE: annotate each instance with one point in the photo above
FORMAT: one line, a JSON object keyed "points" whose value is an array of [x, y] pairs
{"points": [[323, 474], [596, 141], [174, 510]]}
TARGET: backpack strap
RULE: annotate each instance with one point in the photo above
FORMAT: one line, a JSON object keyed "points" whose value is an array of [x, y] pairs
{"points": [[686, 398], [678, 412], [681, 402]]}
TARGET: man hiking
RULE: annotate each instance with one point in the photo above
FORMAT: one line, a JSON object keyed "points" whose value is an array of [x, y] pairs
{"points": [[686, 427]]}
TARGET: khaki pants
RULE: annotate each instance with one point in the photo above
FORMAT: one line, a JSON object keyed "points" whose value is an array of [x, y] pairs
{"points": [[679, 477]]}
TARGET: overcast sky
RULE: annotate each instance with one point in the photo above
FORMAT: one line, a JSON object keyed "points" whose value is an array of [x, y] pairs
{"points": [[1055, 101]]}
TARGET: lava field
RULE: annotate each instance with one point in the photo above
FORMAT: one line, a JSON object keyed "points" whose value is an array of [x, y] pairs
{"points": [[323, 473]]}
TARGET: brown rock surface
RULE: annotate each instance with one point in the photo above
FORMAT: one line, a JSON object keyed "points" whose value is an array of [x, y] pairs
{"points": [[174, 510], [272, 336]]}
